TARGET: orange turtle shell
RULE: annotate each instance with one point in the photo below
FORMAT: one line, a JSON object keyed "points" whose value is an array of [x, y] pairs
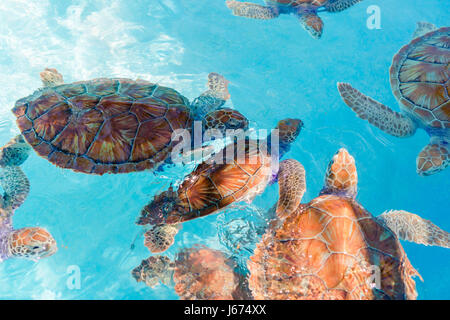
{"points": [[103, 125], [213, 185], [420, 78], [331, 248], [202, 273]]}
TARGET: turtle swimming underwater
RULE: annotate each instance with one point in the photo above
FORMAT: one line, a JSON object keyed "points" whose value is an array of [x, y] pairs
{"points": [[332, 248], [115, 125], [32, 243], [420, 80], [306, 10], [230, 177], [197, 273]]}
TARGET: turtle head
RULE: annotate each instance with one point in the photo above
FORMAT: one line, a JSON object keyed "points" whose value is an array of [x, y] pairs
{"points": [[287, 131], [154, 270], [341, 177], [51, 77], [158, 210], [31, 243]]}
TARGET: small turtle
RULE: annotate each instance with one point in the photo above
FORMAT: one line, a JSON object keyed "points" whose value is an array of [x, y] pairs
{"points": [[332, 248], [215, 184], [115, 125], [420, 80], [306, 10], [32, 243], [198, 273]]}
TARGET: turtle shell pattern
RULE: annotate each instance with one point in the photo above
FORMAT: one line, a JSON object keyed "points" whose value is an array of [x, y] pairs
{"points": [[215, 185], [420, 78], [325, 250], [103, 125]]}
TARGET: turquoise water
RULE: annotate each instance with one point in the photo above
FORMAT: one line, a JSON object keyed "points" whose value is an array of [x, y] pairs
{"points": [[276, 71]]}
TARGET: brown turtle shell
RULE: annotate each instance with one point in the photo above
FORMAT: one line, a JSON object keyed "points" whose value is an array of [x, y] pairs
{"points": [[331, 248], [420, 78], [103, 125], [295, 3]]}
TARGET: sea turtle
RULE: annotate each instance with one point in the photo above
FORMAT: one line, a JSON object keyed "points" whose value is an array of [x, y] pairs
{"points": [[197, 273], [332, 248], [115, 125], [239, 172], [33, 242], [306, 10], [420, 80]]}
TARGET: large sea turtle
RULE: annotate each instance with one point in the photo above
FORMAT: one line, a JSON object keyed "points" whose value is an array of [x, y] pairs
{"points": [[306, 10], [230, 176], [33, 242], [116, 125], [420, 80], [197, 273], [332, 248]]}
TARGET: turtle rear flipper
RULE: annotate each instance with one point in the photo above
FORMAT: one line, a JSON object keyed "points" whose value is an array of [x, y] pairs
{"points": [[252, 10], [16, 186], [292, 181], [340, 5], [433, 158], [312, 23], [376, 113], [410, 227], [423, 28]]}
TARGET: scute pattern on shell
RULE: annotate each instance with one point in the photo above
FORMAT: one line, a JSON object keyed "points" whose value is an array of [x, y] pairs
{"points": [[420, 78], [326, 250], [294, 3], [103, 125]]}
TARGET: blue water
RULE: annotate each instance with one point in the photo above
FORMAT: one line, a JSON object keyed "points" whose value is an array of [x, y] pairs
{"points": [[276, 71]]}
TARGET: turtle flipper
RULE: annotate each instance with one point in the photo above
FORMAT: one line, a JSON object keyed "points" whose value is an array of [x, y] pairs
{"points": [[433, 158], [411, 227], [312, 23], [252, 10], [16, 186], [51, 77], [423, 28], [154, 270], [340, 5], [15, 152], [213, 98], [292, 182], [160, 238], [341, 176], [376, 113]]}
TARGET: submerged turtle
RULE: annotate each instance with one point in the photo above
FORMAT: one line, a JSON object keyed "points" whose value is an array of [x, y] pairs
{"points": [[115, 125], [32, 243], [198, 273], [228, 177], [332, 248], [420, 80], [306, 10]]}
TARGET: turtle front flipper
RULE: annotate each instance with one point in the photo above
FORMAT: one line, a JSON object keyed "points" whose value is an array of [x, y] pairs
{"points": [[292, 181], [154, 270], [16, 186], [410, 227], [15, 152], [161, 237], [341, 177], [31, 243], [423, 28], [213, 98], [376, 113], [340, 5], [312, 23], [433, 158], [252, 10], [51, 77]]}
